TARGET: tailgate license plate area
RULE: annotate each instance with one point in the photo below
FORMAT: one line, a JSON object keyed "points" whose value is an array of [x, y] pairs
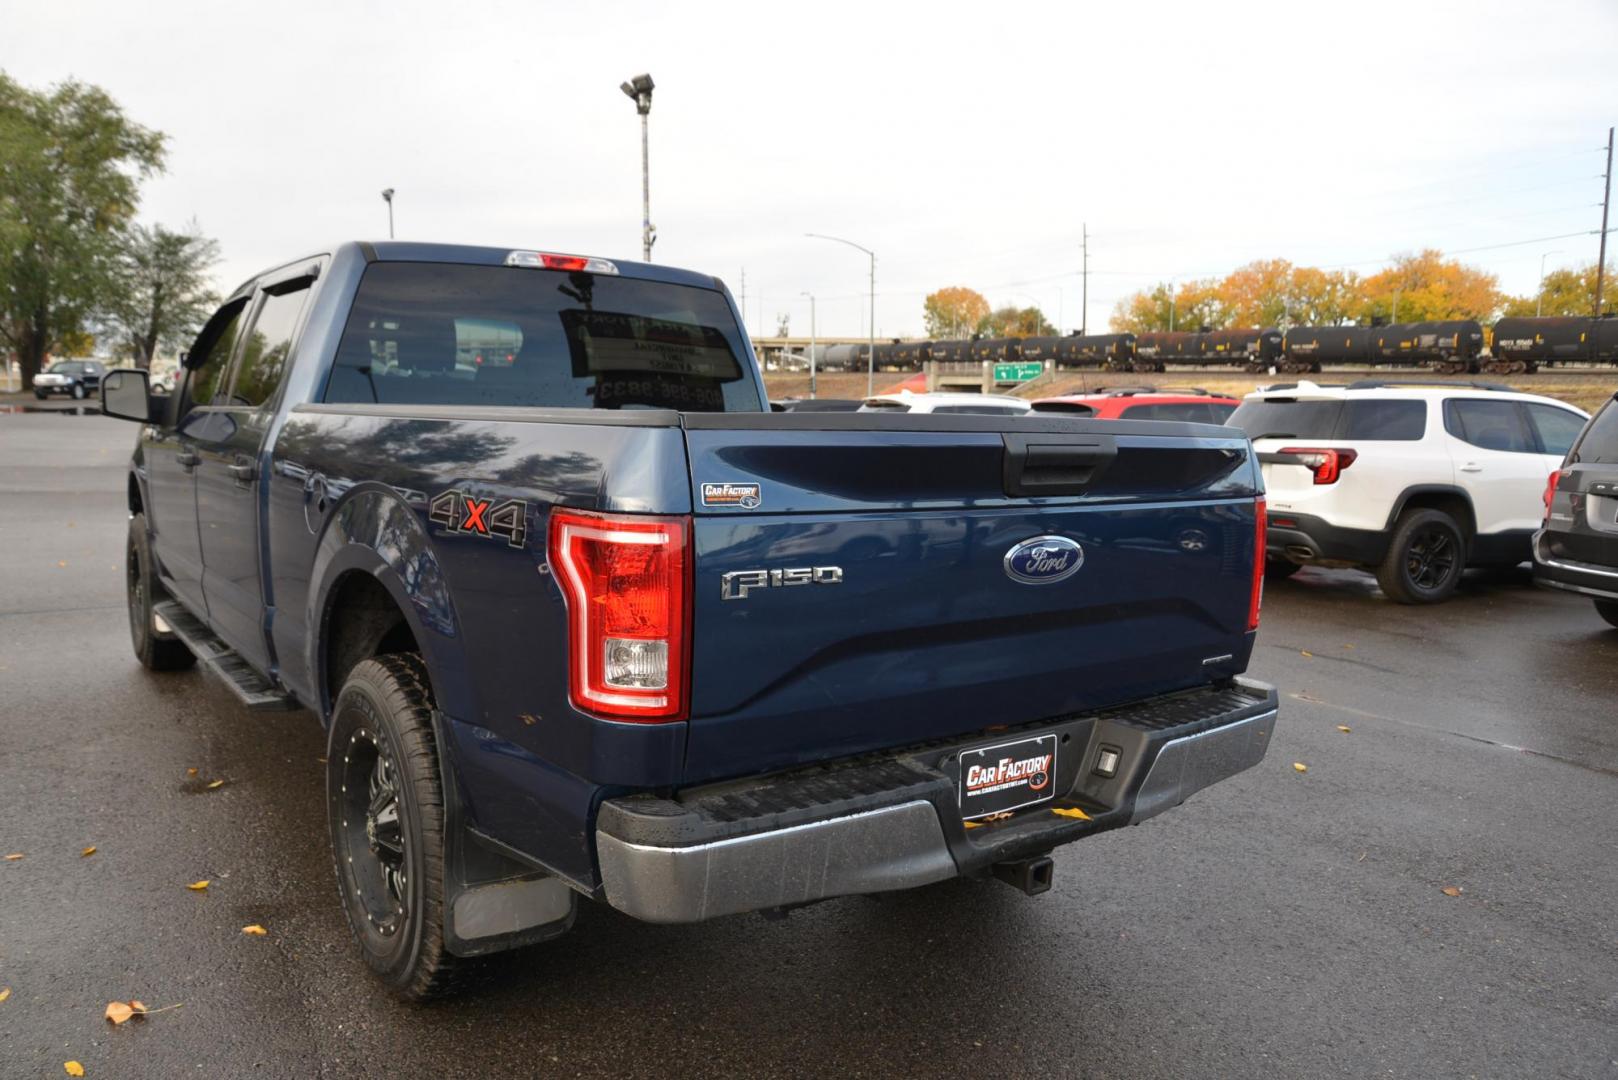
{"points": [[1004, 776]]}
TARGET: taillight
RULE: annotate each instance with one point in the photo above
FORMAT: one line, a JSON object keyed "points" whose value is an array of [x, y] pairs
{"points": [[1550, 489], [627, 582], [1327, 463], [1260, 528], [547, 260]]}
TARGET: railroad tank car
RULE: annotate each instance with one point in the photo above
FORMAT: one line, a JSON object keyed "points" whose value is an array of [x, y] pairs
{"points": [[1451, 346], [908, 355], [844, 357], [1305, 348], [1156, 348], [1115, 352], [994, 350], [1037, 349], [1523, 343], [950, 352], [1255, 347]]}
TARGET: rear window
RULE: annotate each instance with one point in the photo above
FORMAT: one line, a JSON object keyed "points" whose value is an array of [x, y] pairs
{"points": [[1197, 412], [1072, 408], [1391, 421], [443, 334], [979, 410], [1287, 418], [1599, 446]]}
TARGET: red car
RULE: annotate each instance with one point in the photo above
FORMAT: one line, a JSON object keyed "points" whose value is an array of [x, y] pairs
{"points": [[1144, 403]]}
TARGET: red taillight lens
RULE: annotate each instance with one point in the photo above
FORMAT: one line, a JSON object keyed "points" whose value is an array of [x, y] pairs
{"points": [[563, 262], [627, 583], [1550, 489], [1327, 463], [1260, 528]]}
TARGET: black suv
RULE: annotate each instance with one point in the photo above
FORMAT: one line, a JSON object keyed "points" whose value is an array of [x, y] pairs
{"points": [[1577, 549], [78, 379]]}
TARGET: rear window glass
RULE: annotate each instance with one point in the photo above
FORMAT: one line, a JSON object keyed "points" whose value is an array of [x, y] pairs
{"points": [[1600, 443], [1072, 408], [1556, 428], [1197, 412], [442, 334], [1385, 420], [979, 410], [1281, 418]]}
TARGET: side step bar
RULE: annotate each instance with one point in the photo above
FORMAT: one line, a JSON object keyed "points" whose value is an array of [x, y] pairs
{"points": [[251, 689]]}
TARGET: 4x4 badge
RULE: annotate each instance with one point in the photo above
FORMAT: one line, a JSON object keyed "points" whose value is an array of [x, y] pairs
{"points": [[462, 513]]}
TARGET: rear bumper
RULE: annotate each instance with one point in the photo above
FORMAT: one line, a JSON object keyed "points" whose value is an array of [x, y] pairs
{"points": [[1571, 576], [881, 823], [1305, 538]]}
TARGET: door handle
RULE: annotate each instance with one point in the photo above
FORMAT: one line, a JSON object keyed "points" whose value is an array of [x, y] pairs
{"points": [[1471, 466], [187, 459], [244, 472]]}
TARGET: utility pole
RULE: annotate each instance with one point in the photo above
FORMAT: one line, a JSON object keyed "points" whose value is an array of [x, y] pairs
{"points": [[639, 90], [1084, 312], [812, 343], [870, 356], [1606, 198], [387, 197]]}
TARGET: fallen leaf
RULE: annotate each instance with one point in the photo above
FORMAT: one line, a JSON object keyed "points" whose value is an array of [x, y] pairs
{"points": [[1307, 653], [198, 886], [87, 852], [73, 1068], [119, 1011], [139, 1006], [1300, 766], [1344, 728], [1451, 890], [14, 856], [973, 824], [1070, 811], [190, 772], [5, 993], [63, 562], [256, 930], [215, 783], [1347, 646]]}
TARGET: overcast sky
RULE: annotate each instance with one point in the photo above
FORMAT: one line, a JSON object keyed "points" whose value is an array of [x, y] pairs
{"points": [[965, 144]]}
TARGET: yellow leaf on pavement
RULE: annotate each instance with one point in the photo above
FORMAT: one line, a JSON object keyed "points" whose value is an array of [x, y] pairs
{"points": [[973, 824], [1344, 728], [256, 930], [1300, 766], [87, 852], [198, 886], [139, 1007], [1070, 811], [119, 1011], [5, 993], [73, 1068], [14, 856], [1451, 890], [190, 772], [1307, 653], [215, 783]]}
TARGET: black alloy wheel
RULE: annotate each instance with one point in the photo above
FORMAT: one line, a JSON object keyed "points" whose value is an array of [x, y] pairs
{"points": [[1425, 558]]}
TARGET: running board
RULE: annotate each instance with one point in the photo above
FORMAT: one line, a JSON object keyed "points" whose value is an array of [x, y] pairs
{"points": [[252, 689]]}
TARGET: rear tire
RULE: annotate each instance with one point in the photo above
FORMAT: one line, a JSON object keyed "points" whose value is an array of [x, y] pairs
{"points": [[78, 391], [156, 652], [385, 808], [40, 395], [1425, 558], [1280, 569], [1608, 609]]}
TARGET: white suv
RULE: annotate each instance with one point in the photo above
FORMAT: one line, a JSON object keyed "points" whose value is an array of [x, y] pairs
{"points": [[939, 402], [1414, 482]]}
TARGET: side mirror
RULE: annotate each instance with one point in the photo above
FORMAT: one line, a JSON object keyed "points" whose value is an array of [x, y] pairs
{"points": [[125, 393]]}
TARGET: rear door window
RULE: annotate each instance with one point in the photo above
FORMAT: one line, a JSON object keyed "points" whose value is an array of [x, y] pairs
{"points": [[1557, 428], [443, 334], [1489, 425], [264, 356], [1599, 446], [1386, 420], [1287, 418]]}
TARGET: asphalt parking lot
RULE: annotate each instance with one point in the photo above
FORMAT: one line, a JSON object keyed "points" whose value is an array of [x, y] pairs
{"points": [[1285, 923]]}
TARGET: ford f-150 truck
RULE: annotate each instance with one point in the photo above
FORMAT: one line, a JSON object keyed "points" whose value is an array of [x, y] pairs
{"points": [[597, 623]]}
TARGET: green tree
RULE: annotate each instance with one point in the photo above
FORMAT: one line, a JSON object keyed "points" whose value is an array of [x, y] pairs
{"points": [[1567, 291], [953, 312], [163, 294], [71, 164], [1168, 306], [1011, 321]]}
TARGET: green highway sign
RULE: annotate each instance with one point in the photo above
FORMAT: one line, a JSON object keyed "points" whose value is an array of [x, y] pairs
{"points": [[1018, 372]]}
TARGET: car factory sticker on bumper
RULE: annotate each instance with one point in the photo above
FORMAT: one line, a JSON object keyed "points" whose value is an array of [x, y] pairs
{"points": [[995, 779]]}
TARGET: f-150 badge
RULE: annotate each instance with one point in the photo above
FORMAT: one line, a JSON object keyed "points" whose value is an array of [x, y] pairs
{"points": [[462, 513]]}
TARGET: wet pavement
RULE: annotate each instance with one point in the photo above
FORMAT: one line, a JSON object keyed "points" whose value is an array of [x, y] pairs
{"points": [[1282, 924]]}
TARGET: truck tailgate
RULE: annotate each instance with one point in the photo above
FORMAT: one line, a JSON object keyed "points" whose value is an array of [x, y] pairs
{"points": [[871, 599]]}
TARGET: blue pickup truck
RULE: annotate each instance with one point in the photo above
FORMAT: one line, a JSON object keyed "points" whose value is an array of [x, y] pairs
{"points": [[594, 622]]}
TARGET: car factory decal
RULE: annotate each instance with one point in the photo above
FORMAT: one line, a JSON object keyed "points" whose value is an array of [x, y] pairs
{"points": [[462, 513], [746, 496]]}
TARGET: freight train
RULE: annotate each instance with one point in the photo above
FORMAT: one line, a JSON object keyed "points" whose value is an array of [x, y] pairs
{"points": [[1452, 347]]}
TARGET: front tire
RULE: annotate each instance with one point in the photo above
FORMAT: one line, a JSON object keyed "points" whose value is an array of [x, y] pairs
{"points": [[40, 395], [78, 391], [155, 652], [385, 808], [1608, 609], [1425, 558]]}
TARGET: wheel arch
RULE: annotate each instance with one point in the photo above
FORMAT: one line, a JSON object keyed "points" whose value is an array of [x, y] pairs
{"points": [[1449, 498]]}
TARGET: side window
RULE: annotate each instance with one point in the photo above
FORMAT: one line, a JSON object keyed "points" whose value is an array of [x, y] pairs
{"points": [[1557, 428], [213, 346], [264, 356], [1393, 421], [1489, 425]]}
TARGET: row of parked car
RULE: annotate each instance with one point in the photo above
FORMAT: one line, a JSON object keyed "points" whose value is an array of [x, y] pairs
{"points": [[1412, 482]]}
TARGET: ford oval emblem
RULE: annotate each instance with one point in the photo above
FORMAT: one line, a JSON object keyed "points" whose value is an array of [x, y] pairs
{"points": [[1043, 560]]}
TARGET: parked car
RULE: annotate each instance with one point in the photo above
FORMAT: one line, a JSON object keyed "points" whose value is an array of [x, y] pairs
{"points": [[632, 637], [816, 405], [78, 379], [1411, 481], [1193, 404], [1577, 549], [939, 402]]}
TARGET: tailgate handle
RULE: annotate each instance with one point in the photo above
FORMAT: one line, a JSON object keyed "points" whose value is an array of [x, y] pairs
{"points": [[1055, 464]]}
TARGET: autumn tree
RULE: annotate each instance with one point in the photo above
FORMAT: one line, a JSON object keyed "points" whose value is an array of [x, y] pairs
{"points": [[163, 294], [70, 167], [1565, 292], [954, 312], [1417, 288], [1321, 297], [1011, 321], [1168, 306]]}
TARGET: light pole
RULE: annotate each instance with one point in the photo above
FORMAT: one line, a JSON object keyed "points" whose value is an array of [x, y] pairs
{"points": [[870, 356], [811, 297], [387, 197], [639, 90], [1539, 304]]}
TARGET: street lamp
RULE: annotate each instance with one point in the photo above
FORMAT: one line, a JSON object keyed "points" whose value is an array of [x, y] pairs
{"points": [[1539, 304], [811, 297], [870, 356], [639, 90], [387, 197]]}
